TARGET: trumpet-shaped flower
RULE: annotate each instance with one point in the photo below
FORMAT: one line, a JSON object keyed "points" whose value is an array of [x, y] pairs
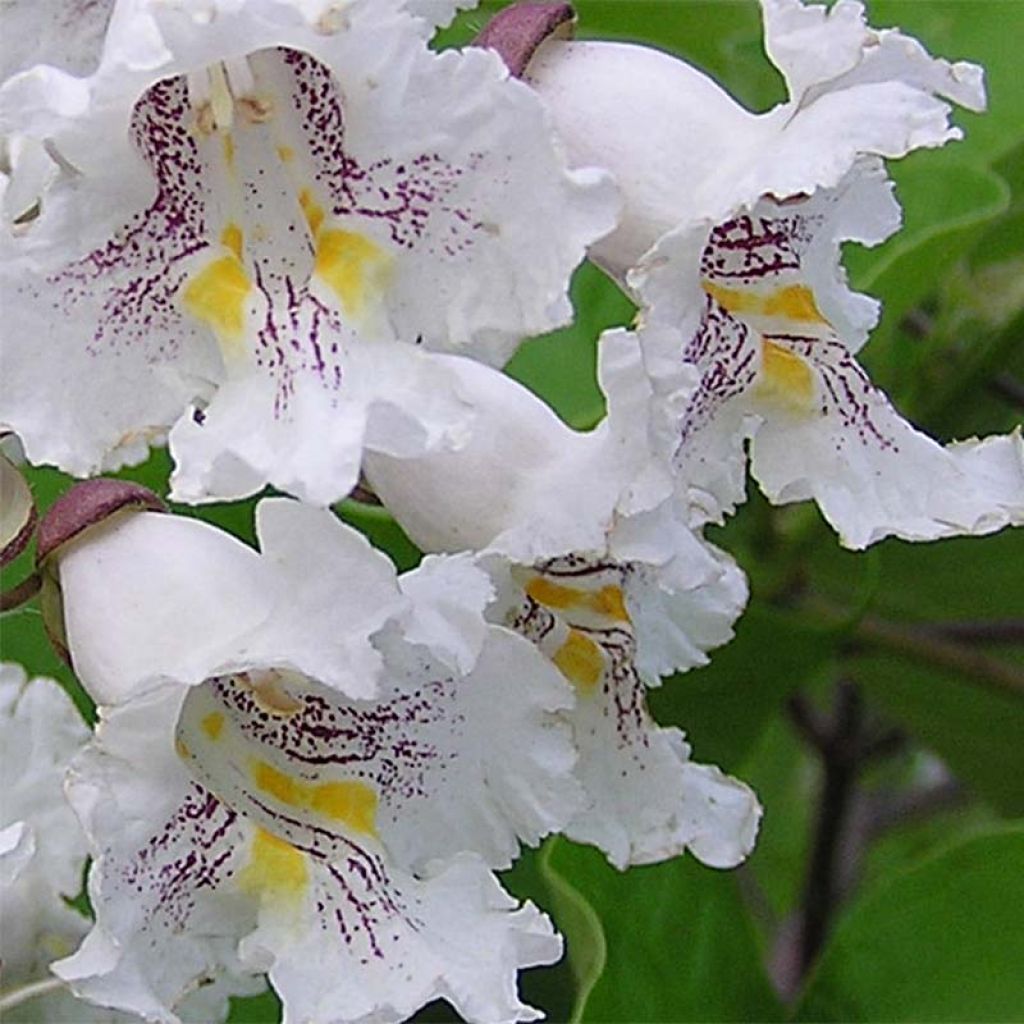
{"points": [[297, 796], [590, 563], [252, 224], [730, 239], [767, 331]]}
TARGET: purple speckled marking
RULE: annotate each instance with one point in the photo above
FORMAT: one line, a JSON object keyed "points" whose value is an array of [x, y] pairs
{"points": [[126, 289], [406, 195], [755, 250], [385, 743], [623, 691], [191, 851]]}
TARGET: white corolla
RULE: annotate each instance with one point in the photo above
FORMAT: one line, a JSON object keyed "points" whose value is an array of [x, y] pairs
{"points": [[730, 241], [591, 563], [251, 223], [305, 766]]}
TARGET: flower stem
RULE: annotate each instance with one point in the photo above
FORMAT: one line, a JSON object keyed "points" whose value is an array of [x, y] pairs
{"points": [[21, 593], [17, 996]]}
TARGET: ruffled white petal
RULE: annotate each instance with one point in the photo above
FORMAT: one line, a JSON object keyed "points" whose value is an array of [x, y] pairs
{"points": [[632, 592], [646, 800], [536, 487], [259, 254], [455, 935], [434, 765], [65, 35], [637, 112], [447, 598], [887, 479], [332, 592], [164, 853]]}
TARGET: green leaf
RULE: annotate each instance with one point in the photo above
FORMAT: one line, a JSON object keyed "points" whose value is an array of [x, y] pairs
{"points": [[947, 205], [943, 941], [725, 706], [680, 944], [783, 773], [978, 32], [261, 1009], [561, 367], [978, 733], [379, 526]]}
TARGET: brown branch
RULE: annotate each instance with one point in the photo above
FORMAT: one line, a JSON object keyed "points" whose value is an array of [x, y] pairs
{"points": [[839, 757], [980, 631], [923, 645]]}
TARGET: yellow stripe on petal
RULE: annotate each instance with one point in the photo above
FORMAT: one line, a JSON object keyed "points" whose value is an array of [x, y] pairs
{"points": [[350, 802], [793, 302], [217, 295], [355, 803], [354, 267], [213, 724], [607, 601], [231, 238], [275, 868], [580, 660], [785, 377], [311, 209]]}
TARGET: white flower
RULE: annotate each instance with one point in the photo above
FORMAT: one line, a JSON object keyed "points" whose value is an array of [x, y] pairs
{"points": [[264, 214], [751, 335], [42, 849], [591, 564], [730, 241], [293, 793]]}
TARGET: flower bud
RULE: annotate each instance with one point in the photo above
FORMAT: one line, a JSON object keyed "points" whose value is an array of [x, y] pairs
{"points": [[17, 511], [83, 509]]}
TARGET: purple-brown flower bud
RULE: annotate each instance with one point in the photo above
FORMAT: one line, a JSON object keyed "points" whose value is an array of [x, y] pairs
{"points": [[89, 504]]}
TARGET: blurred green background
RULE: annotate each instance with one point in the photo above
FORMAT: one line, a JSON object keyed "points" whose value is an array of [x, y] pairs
{"points": [[876, 700]]}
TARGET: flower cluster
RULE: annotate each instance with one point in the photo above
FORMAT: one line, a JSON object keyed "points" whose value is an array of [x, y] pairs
{"points": [[294, 244]]}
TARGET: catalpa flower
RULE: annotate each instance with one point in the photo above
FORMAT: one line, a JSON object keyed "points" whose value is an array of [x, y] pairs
{"points": [[304, 766], [252, 224], [42, 848], [591, 564], [730, 241]]}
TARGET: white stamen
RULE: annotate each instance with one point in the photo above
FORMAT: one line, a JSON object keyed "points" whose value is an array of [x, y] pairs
{"points": [[240, 77], [220, 97]]}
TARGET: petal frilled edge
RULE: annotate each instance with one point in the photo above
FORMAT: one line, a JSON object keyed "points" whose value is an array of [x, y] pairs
{"points": [[180, 879], [645, 800]]}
